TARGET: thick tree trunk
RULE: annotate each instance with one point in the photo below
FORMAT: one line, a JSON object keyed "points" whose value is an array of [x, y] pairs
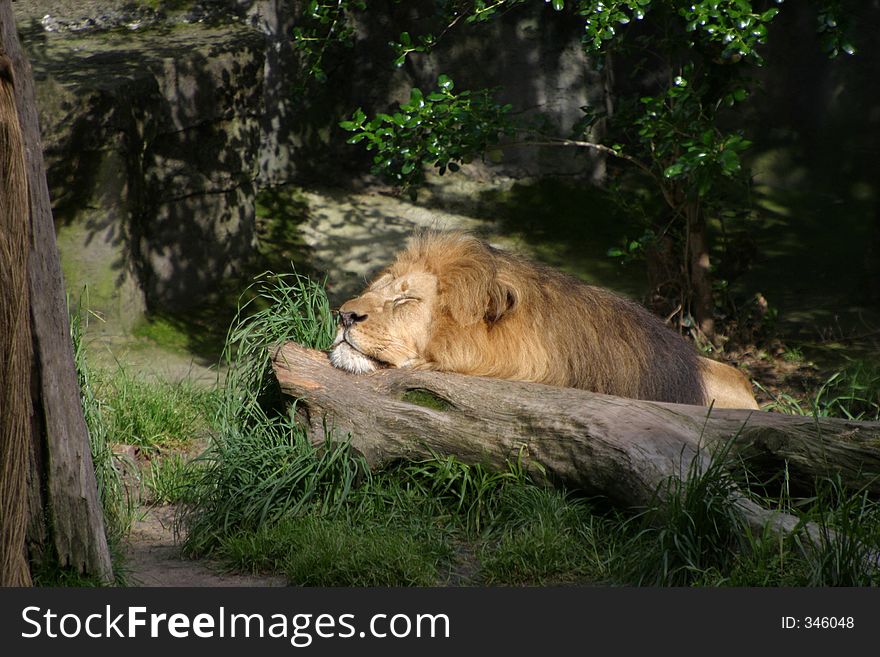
{"points": [[15, 346], [65, 522], [622, 448]]}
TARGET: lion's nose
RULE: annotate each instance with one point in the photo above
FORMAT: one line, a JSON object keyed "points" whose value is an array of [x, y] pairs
{"points": [[348, 318]]}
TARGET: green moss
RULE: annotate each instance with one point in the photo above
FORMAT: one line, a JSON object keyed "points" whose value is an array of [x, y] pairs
{"points": [[426, 398]]}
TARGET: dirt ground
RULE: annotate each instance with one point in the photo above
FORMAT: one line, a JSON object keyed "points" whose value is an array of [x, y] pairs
{"points": [[153, 558]]}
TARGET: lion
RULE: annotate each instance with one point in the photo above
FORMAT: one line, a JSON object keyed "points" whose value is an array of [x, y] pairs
{"points": [[451, 302]]}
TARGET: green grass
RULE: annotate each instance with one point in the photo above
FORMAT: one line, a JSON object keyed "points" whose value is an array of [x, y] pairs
{"points": [[164, 421], [315, 550], [547, 537], [155, 416], [116, 497], [853, 393], [170, 479], [692, 529]]}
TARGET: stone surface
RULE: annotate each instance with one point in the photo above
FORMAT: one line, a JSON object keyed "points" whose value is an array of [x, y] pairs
{"points": [[151, 143]]}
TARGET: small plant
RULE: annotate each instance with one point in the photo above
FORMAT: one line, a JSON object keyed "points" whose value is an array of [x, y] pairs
{"points": [[793, 355]]}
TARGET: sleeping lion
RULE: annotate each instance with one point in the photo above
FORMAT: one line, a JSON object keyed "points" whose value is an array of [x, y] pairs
{"points": [[452, 303]]}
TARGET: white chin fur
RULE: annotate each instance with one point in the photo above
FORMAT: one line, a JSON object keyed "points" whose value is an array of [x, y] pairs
{"points": [[345, 357]]}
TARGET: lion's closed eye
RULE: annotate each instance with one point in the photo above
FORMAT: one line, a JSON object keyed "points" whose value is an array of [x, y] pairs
{"points": [[399, 301]]}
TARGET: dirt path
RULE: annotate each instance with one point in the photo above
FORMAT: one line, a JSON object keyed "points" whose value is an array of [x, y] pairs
{"points": [[152, 558]]}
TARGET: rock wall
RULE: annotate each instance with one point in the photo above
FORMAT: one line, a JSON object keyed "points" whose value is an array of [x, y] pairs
{"points": [[152, 144]]}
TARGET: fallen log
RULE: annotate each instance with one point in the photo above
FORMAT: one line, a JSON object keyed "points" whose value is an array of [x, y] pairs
{"points": [[624, 449]]}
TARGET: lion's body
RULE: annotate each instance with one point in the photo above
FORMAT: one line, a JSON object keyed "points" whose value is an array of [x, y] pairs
{"points": [[453, 303]]}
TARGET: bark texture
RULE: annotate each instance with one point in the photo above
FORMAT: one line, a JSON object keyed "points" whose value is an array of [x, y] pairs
{"points": [[65, 521], [15, 343]]}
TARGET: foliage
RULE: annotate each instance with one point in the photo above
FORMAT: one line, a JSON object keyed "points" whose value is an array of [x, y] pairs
{"points": [[678, 134], [320, 27], [697, 59], [444, 128]]}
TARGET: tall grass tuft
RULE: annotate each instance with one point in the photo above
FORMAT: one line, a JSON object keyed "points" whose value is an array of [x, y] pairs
{"points": [[693, 528], [260, 466], [848, 549], [469, 493]]}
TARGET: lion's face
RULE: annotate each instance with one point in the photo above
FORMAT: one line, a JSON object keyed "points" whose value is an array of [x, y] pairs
{"points": [[388, 325]]}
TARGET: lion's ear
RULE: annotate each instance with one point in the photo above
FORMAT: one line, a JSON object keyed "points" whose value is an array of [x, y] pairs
{"points": [[503, 298], [475, 293]]}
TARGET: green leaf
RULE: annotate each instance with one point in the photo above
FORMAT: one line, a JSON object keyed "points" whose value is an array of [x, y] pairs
{"points": [[674, 170]]}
